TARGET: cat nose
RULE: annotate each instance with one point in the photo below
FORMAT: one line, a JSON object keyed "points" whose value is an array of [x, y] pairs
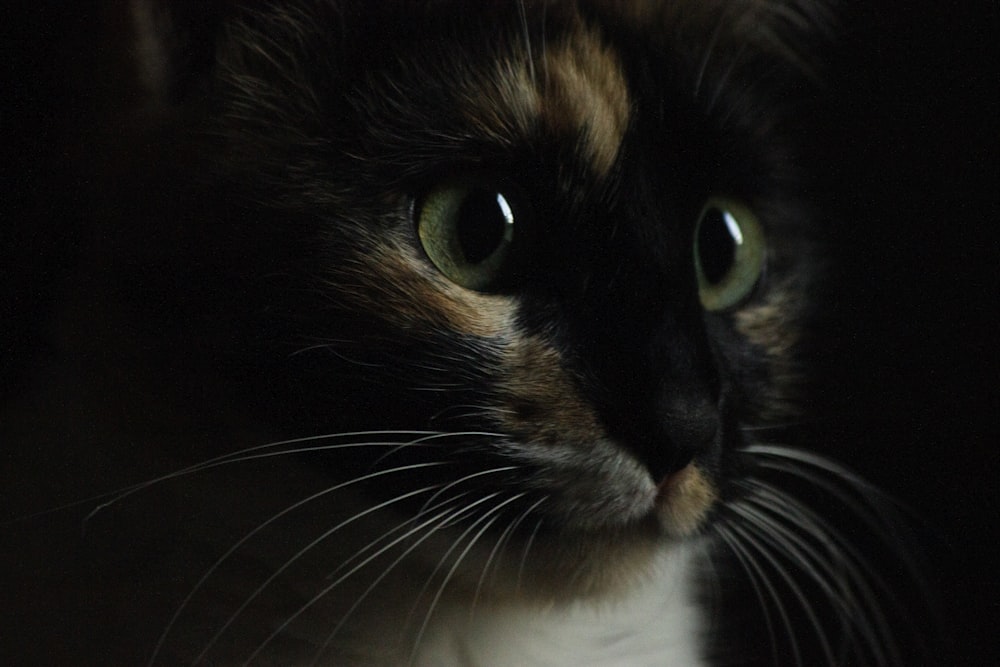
{"points": [[687, 426]]}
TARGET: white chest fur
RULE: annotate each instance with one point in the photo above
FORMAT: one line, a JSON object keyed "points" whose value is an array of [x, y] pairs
{"points": [[655, 625]]}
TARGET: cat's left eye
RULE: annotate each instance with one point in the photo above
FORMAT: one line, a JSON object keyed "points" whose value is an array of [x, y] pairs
{"points": [[468, 230], [728, 253]]}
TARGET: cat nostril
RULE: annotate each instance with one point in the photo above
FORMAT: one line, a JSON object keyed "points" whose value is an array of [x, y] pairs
{"points": [[685, 433], [675, 455], [673, 447], [670, 434]]}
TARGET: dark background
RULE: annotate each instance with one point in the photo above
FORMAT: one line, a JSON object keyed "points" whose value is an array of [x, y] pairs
{"points": [[913, 355], [910, 357]]}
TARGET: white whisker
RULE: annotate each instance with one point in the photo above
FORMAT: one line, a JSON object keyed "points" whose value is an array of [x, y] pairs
{"points": [[854, 617], [460, 480], [502, 541], [444, 522], [387, 535], [524, 554], [323, 592], [437, 435], [789, 580], [442, 560], [249, 454], [861, 573], [758, 577], [274, 575], [495, 512]]}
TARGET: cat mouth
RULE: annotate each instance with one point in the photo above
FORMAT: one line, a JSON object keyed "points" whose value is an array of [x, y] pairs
{"points": [[683, 500]]}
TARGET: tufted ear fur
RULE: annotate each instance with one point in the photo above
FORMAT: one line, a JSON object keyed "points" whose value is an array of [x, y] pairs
{"points": [[175, 45]]}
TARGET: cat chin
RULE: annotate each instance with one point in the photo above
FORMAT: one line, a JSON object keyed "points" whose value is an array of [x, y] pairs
{"points": [[609, 562], [554, 569], [654, 617], [555, 615]]}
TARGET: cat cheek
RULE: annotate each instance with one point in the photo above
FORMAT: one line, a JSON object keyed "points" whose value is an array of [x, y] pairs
{"points": [[403, 290], [541, 399], [767, 325], [774, 329]]}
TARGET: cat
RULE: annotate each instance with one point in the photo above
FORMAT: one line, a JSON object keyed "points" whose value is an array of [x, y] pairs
{"points": [[440, 333]]}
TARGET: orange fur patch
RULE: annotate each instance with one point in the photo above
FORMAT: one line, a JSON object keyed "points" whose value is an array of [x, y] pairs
{"points": [[771, 326], [585, 91], [686, 501], [575, 88], [542, 401], [408, 293]]}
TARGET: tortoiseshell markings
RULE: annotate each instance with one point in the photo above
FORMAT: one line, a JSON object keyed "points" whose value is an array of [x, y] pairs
{"points": [[574, 88]]}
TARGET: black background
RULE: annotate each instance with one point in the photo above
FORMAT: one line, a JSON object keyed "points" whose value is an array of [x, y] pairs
{"points": [[911, 361], [914, 374]]}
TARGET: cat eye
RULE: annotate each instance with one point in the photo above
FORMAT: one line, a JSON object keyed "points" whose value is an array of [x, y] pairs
{"points": [[467, 229], [728, 254]]}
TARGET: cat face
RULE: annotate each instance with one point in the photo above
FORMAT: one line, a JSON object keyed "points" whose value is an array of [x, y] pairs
{"points": [[562, 238], [502, 295]]}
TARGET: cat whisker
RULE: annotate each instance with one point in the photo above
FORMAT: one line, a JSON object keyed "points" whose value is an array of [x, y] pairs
{"points": [[784, 506], [502, 542], [757, 578], [875, 508], [814, 460], [879, 500], [762, 548], [796, 16], [443, 387], [453, 509], [853, 616], [474, 411], [434, 436], [249, 454], [246, 538], [442, 560], [466, 478], [524, 554], [777, 426], [495, 513], [328, 347], [440, 518], [388, 534], [443, 519], [120, 494]]}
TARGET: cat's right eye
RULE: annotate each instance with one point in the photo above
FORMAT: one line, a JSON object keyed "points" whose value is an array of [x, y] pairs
{"points": [[468, 230]]}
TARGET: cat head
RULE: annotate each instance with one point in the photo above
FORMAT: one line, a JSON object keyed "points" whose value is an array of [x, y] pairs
{"points": [[562, 246]]}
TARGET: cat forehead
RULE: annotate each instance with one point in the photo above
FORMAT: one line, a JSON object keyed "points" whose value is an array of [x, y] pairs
{"points": [[573, 88]]}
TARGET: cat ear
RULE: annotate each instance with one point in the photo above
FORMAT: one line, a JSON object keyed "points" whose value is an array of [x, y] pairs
{"points": [[175, 45]]}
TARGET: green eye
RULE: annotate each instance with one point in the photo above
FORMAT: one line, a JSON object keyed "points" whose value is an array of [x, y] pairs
{"points": [[468, 231], [728, 253]]}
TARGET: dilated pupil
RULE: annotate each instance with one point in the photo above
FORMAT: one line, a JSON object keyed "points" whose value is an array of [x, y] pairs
{"points": [[481, 225], [716, 246]]}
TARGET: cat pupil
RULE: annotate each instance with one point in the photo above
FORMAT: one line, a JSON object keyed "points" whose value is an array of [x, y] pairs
{"points": [[482, 224], [716, 246]]}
